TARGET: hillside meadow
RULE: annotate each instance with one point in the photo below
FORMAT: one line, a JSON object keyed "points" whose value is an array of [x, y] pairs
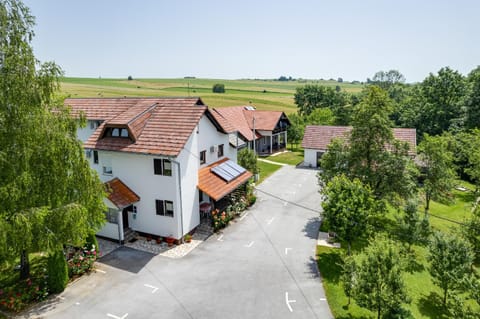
{"points": [[263, 94]]}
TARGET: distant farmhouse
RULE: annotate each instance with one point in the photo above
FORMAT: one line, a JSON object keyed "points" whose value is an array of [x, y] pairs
{"points": [[167, 162], [317, 138], [270, 127]]}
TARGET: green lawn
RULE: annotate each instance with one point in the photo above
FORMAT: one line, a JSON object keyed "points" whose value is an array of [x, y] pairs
{"points": [[289, 157], [265, 95], [266, 169], [426, 297]]}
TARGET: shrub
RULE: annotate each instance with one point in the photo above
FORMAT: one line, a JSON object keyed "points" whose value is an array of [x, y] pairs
{"points": [[57, 271], [91, 242], [220, 220], [81, 261], [218, 88], [130, 78]]}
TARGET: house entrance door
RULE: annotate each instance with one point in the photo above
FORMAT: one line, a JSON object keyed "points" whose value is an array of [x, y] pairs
{"points": [[125, 218]]}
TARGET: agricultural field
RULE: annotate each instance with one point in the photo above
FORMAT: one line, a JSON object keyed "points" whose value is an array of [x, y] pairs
{"points": [[263, 94]]}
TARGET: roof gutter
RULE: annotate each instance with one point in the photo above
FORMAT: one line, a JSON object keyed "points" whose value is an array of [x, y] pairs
{"points": [[180, 193]]}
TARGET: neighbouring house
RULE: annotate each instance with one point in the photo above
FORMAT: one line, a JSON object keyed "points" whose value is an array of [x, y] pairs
{"points": [[163, 160], [317, 138], [264, 130]]}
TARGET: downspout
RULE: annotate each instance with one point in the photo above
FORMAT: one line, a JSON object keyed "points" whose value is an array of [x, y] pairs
{"points": [[181, 199]]}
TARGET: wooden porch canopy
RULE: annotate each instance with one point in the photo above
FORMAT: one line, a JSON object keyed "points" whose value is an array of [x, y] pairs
{"points": [[120, 194], [217, 187]]}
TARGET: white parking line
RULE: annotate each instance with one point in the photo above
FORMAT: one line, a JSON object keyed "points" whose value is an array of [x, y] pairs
{"points": [[323, 299], [287, 301], [249, 245], [220, 238], [286, 250], [77, 303], [117, 317], [152, 287], [245, 215], [101, 271], [285, 203], [270, 221]]}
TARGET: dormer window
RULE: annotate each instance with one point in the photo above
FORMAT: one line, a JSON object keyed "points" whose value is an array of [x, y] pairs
{"points": [[116, 132]]}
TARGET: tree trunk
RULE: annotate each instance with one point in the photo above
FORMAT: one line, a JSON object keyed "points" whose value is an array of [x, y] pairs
{"points": [[427, 204], [378, 312], [24, 265]]}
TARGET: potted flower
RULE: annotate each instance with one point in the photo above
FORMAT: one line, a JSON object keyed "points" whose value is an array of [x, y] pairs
{"points": [[188, 238], [159, 240], [170, 241]]}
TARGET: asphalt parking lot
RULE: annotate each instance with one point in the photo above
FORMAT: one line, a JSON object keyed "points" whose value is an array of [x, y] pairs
{"points": [[261, 266]]}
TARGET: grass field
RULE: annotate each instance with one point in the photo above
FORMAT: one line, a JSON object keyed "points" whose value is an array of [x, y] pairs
{"points": [[426, 297], [263, 94]]}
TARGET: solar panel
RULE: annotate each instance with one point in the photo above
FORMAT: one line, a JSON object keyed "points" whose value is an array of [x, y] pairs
{"points": [[228, 170]]}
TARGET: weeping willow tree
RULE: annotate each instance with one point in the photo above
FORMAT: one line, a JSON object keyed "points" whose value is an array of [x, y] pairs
{"points": [[49, 196]]}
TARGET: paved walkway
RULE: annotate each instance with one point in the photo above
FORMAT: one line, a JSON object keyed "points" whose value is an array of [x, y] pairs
{"points": [[162, 249], [271, 162]]}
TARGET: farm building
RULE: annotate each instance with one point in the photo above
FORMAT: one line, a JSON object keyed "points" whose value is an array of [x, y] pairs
{"points": [[317, 138]]}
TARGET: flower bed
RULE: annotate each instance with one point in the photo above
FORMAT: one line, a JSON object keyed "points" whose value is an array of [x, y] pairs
{"points": [[80, 261], [17, 297]]}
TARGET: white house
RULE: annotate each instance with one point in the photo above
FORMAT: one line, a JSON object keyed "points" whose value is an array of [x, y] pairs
{"points": [[158, 158], [267, 129], [317, 138]]}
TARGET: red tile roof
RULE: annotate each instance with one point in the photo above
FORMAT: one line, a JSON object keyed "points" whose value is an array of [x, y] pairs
{"points": [[159, 126], [241, 119], [319, 137], [216, 187], [120, 194]]}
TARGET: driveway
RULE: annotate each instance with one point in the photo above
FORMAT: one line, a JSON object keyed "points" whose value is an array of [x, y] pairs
{"points": [[261, 266]]}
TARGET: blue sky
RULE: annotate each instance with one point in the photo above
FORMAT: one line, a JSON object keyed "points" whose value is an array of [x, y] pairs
{"points": [[257, 39]]}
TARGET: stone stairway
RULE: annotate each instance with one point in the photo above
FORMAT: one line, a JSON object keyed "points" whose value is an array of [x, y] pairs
{"points": [[129, 234], [205, 228]]}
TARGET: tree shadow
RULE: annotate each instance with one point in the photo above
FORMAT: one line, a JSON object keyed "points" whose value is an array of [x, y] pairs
{"points": [[432, 306], [311, 227], [312, 268], [329, 265], [412, 266]]}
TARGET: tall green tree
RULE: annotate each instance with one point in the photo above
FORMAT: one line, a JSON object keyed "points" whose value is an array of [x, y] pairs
{"points": [[311, 96], [370, 153], [472, 102], [378, 284], [347, 207], [467, 156], [413, 230], [450, 259], [441, 102], [372, 131], [49, 196], [387, 79], [435, 154], [471, 230]]}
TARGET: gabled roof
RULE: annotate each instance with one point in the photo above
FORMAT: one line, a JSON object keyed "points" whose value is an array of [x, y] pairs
{"points": [[319, 136], [159, 126], [215, 186], [241, 119], [120, 194]]}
